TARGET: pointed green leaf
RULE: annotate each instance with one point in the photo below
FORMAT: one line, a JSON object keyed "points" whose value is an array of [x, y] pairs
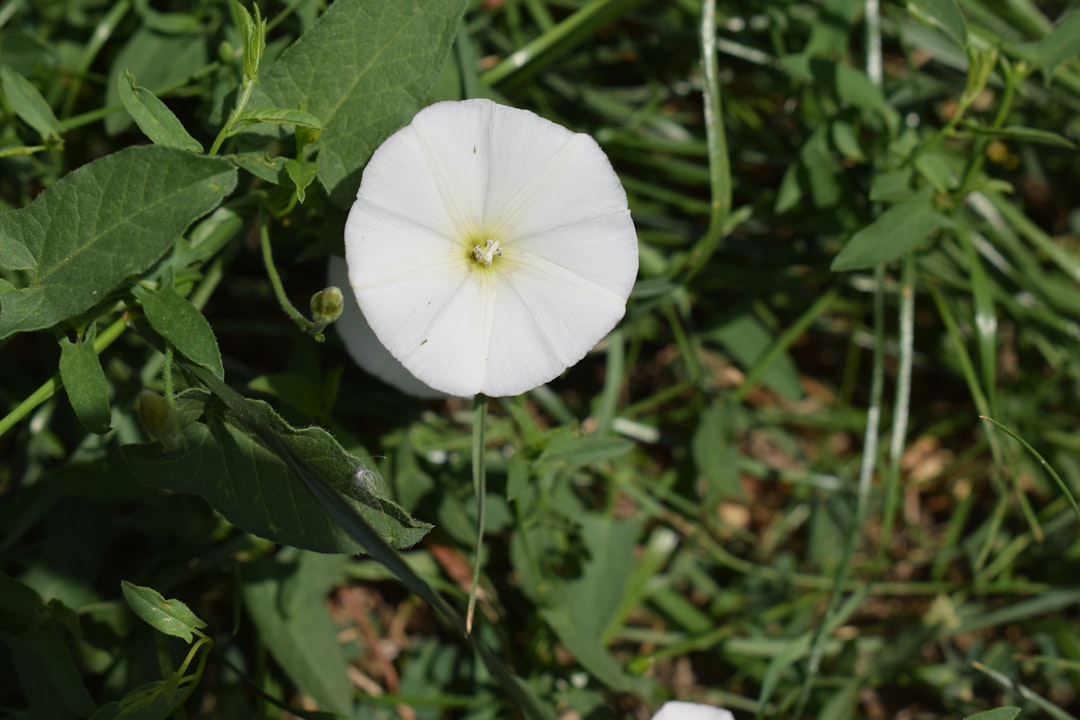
{"points": [[85, 383], [1060, 44], [182, 325], [899, 229], [1024, 134], [302, 174], [944, 13], [287, 603], [170, 617], [157, 59], [227, 462], [154, 118], [364, 69], [588, 604], [253, 32], [274, 115], [29, 104], [100, 224]]}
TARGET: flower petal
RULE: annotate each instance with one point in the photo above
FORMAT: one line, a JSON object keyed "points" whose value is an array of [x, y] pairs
{"points": [[546, 319], [363, 347], [575, 182], [691, 711], [602, 249]]}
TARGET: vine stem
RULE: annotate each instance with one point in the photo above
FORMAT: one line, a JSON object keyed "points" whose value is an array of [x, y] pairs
{"points": [[279, 289]]}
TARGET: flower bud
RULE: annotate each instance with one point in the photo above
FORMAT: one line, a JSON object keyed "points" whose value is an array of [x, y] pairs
{"points": [[326, 306], [158, 418], [305, 136]]}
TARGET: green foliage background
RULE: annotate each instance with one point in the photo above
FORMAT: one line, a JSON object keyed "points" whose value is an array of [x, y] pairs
{"points": [[768, 489]]}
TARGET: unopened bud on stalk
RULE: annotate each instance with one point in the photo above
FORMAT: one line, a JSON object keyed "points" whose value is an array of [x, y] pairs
{"points": [[158, 418], [326, 306]]}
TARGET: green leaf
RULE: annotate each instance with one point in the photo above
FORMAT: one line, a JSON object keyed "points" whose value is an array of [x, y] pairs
{"points": [[228, 462], [1001, 713], [170, 617], [154, 118], [302, 174], [1059, 45], [85, 383], [944, 13], [29, 104], [106, 221], [48, 675], [585, 607], [899, 229], [355, 525], [286, 598], [747, 341], [274, 115], [570, 451], [170, 23], [157, 59], [365, 69], [253, 32], [35, 637], [179, 322], [262, 166], [1024, 134]]}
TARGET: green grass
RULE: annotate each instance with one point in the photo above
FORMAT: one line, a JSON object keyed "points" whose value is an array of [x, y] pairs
{"points": [[770, 489]]}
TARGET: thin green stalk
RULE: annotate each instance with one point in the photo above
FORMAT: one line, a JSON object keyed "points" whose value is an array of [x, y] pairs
{"points": [[902, 401], [977, 154], [1042, 461], [295, 315], [480, 490], [558, 41], [719, 162], [983, 407], [101, 34], [613, 380], [51, 386]]}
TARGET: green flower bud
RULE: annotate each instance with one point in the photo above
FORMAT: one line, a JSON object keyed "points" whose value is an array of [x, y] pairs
{"points": [[158, 418], [326, 306], [305, 136]]}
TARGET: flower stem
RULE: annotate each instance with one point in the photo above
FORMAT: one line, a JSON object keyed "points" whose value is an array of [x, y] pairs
{"points": [[279, 290], [480, 489]]}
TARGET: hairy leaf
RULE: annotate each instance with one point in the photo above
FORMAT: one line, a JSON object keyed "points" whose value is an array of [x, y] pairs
{"points": [[154, 118], [100, 224], [364, 69], [85, 382], [227, 461], [899, 229], [170, 617]]}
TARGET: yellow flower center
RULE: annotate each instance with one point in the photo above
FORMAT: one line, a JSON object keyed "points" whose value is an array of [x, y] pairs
{"points": [[486, 253]]}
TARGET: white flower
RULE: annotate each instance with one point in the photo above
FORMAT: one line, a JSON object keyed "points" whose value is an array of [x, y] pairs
{"points": [[489, 249], [364, 348], [691, 711]]}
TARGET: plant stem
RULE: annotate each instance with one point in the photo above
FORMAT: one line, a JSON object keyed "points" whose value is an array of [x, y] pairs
{"points": [[279, 290], [480, 489], [719, 163]]}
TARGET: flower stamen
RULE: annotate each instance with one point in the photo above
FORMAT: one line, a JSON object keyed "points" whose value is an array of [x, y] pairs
{"points": [[487, 253]]}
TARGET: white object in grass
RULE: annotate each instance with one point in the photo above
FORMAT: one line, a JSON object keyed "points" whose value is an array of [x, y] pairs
{"points": [[691, 711], [489, 249]]}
